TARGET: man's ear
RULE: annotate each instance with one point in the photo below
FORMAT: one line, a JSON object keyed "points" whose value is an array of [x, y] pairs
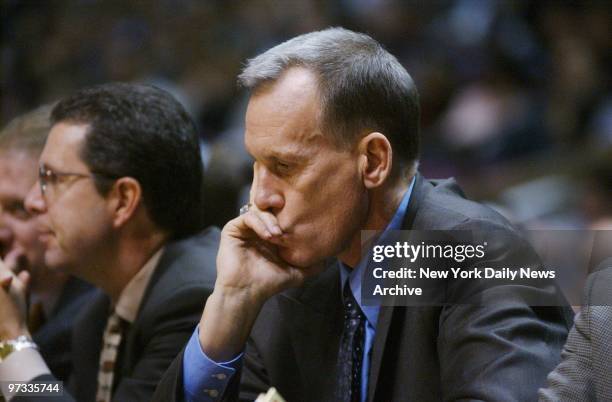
{"points": [[376, 157], [125, 196]]}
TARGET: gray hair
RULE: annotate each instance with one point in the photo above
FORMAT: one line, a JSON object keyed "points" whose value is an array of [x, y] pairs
{"points": [[363, 88], [27, 132]]}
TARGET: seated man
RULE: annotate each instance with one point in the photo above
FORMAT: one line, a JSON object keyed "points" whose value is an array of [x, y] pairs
{"points": [[118, 204], [332, 123], [55, 297]]}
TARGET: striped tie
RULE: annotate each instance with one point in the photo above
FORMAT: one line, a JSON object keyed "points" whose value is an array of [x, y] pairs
{"points": [[108, 356]]}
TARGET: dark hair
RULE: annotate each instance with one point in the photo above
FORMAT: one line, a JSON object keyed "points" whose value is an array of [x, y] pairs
{"points": [[142, 132], [361, 85]]}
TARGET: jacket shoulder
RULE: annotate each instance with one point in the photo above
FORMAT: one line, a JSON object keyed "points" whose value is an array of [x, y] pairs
{"points": [[186, 271], [442, 205]]}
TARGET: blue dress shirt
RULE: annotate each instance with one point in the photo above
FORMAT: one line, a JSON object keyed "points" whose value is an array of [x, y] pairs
{"points": [[205, 380], [371, 312]]}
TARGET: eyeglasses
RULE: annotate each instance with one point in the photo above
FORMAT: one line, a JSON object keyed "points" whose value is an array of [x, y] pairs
{"points": [[48, 178]]}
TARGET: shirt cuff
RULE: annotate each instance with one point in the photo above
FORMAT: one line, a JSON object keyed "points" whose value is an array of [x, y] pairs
{"points": [[23, 365], [205, 380]]}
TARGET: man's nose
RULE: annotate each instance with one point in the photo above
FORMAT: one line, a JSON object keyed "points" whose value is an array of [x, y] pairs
{"points": [[35, 203], [267, 194]]}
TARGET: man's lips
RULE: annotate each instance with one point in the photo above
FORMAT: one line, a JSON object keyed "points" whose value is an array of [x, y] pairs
{"points": [[280, 241]]}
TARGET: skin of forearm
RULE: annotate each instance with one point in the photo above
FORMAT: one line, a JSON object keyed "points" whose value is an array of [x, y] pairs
{"points": [[227, 321]]}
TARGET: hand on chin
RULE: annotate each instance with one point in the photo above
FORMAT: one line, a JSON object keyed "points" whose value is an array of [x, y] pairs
{"points": [[306, 265]]}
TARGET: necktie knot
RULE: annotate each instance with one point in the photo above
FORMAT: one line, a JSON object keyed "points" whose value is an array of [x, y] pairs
{"points": [[352, 311]]}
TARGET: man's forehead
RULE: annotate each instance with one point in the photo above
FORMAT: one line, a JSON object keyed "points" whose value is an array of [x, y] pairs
{"points": [[16, 157], [17, 163], [18, 173], [288, 149], [293, 82], [292, 143], [64, 144], [293, 97]]}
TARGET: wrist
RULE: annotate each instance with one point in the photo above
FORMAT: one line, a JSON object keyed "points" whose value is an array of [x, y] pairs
{"points": [[226, 323], [13, 332], [238, 296], [7, 347]]}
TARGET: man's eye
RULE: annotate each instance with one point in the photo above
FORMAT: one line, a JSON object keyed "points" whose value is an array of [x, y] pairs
{"points": [[18, 211], [51, 177], [21, 213], [282, 167]]}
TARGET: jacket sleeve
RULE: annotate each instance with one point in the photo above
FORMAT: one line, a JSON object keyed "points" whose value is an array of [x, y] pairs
{"points": [[245, 385], [571, 379], [496, 345], [169, 331]]}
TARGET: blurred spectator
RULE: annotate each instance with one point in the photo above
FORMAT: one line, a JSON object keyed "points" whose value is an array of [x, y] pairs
{"points": [[55, 297]]}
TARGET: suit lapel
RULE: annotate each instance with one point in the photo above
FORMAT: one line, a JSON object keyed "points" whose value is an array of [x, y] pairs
{"points": [[129, 346], [420, 189], [87, 343], [316, 325], [380, 340]]}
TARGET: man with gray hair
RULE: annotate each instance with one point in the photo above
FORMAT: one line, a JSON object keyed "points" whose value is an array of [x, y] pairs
{"points": [[332, 124]]}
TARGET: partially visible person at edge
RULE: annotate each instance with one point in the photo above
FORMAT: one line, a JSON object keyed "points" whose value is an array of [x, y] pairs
{"points": [[55, 297], [586, 360]]}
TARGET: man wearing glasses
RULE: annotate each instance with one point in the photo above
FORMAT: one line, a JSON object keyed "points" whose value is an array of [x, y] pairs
{"points": [[118, 202]]}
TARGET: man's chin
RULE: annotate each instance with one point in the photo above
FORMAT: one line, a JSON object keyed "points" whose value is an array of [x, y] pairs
{"points": [[298, 259], [56, 260]]}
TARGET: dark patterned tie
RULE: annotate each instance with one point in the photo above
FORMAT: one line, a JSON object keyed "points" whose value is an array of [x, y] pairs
{"points": [[350, 354]]}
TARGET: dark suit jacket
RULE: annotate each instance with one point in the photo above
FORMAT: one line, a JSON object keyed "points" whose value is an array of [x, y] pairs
{"points": [[498, 352], [585, 372], [170, 310], [54, 336]]}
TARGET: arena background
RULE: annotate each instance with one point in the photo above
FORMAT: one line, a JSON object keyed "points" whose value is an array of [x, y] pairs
{"points": [[516, 100]]}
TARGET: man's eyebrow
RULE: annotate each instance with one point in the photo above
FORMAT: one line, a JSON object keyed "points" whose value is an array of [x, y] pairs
{"points": [[11, 200], [281, 155], [290, 156], [288, 153], [14, 203], [47, 166]]}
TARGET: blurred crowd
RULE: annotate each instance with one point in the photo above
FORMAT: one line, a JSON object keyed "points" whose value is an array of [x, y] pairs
{"points": [[516, 99]]}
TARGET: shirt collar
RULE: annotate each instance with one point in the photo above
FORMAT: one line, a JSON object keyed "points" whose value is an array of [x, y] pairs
{"points": [[132, 294], [355, 275]]}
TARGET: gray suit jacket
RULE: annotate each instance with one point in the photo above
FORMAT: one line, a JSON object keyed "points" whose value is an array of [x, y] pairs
{"points": [[585, 372], [170, 310], [498, 352]]}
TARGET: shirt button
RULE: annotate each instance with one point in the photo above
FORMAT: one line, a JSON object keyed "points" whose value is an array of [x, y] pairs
{"points": [[220, 376]]}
